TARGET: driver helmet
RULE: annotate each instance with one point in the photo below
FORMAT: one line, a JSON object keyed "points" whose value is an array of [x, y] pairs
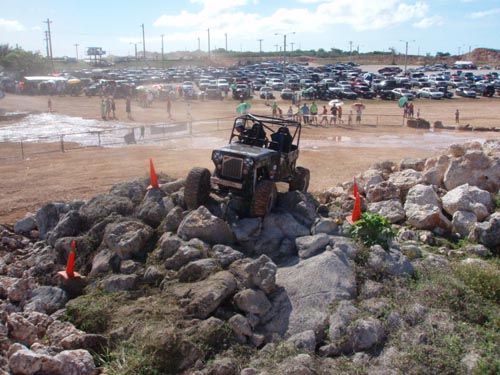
{"points": [[240, 125]]}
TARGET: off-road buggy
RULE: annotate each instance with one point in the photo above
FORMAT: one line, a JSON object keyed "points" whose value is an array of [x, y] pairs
{"points": [[262, 152]]}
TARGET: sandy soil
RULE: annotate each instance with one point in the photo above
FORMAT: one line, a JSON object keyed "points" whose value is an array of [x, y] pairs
{"points": [[332, 154]]}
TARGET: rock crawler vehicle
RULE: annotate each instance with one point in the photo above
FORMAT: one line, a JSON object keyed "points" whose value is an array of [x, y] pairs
{"points": [[262, 152]]}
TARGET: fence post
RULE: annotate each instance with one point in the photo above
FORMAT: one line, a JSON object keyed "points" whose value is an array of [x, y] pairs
{"points": [[22, 149], [377, 121], [62, 143], [99, 138]]}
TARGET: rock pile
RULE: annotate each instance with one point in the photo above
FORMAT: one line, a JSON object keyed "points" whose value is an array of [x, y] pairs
{"points": [[292, 277]]}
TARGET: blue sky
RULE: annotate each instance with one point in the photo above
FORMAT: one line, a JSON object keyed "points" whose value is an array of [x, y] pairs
{"points": [[428, 26]]}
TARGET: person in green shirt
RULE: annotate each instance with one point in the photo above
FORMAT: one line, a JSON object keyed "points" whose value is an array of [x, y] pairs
{"points": [[314, 113], [275, 109]]}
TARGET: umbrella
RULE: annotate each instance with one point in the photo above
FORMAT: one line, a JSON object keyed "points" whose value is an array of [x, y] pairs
{"points": [[358, 106], [243, 108], [336, 102], [402, 101], [74, 81]]}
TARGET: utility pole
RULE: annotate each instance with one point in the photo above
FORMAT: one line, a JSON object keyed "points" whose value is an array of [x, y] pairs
{"points": [[143, 43], [276, 45], [50, 43], [47, 43], [162, 60], [208, 31], [406, 52], [76, 47], [292, 43], [226, 41], [260, 45], [350, 49], [199, 44]]}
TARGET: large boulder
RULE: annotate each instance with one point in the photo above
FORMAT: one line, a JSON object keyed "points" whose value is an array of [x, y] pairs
{"points": [[46, 218], [391, 262], [154, 207], [101, 206], [198, 270], [127, 239], [27, 362], [405, 180], [69, 225], [423, 209], [259, 273], [369, 178], [383, 191], [25, 226], [391, 209], [474, 168], [468, 198], [309, 288], [366, 333], [225, 255], [46, 299], [309, 246], [411, 163], [76, 362], [205, 226], [488, 232], [183, 256], [252, 301], [463, 222], [133, 189]]}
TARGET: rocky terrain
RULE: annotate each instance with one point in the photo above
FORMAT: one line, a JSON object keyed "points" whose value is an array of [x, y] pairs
{"points": [[170, 291]]}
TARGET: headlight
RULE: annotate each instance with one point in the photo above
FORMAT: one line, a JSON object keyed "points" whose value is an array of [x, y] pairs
{"points": [[217, 156], [248, 162]]}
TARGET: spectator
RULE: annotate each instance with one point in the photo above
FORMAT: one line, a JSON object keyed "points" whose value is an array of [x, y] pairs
{"points": [[314, 112], [457, 116], [305, 113], [324, 119], [128, 108], [49, 104]]}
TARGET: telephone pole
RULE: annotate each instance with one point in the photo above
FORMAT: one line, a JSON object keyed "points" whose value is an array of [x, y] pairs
{"points": [[162, 60], [208, 31], [48, 22], [260, 45], [76, 47], [226, 41], [143, 43], [292, 43], [47, 43]]}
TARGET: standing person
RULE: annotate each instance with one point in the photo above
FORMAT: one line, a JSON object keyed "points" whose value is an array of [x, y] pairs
{"points": [[128, 108], [289, 113], [349, 118], [333, 111], [358, 115], [305, 113], [457, 116], [324, 119], [113, 108], [298, 115], [169, 108], [49, 104], [108, 108], [143, 130], [411, 109], [418, 113], [274, 108], [339, 111], [103, 109], [314, 112]]}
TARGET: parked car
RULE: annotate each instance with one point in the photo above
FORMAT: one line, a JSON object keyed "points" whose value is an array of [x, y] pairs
{"points": [[430, 93], [400, 92], [347, 93], [364, 91], [485, 89], [266, 92], [292, 83], [465, 92], [287, 94], [213, 92]]}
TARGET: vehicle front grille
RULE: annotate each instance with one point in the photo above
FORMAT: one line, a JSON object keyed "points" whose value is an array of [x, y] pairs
{"points": [[232, 167]]}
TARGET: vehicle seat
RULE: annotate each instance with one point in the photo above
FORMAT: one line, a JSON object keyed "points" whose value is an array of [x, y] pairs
{"points": [[281, 140], [258, 135]]}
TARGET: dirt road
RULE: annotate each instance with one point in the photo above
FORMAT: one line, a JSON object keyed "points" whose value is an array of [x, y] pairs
{"points": [[333, 154]]}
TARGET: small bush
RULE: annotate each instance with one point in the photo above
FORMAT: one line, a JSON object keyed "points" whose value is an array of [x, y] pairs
{"points": [[90, 313], [372, 229], [483, 280]]}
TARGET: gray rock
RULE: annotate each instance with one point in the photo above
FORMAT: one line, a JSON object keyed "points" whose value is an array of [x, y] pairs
{"points": [[28, 362], [118, 283], [390, 262], [46, 299], [225, 255], [252, 301], [345, 245], [411, 251], [70, 224], [393, 210], [487, 232], [468, 198], [173, 186], [25, 226], [152, 210], [173, 219], [240, 325], [470, 361], [463, 222], [168, 245], [133, 189], [344, 314], [127, 239], [183, 256], [405, 180], [423, 209], [304, 341], [383, 191], [129, 266], [324, 225], [479, 250], [310, 287], [410, 163], [474, 168], [198, 270], [153, 274], [456, 150], [301, 205], [207, 295], [21, 329], [76, 362], [101, 263], [371, 289], [309, 246], [259, 273], [20, 291], [246, 229], [46, 218], [369, 178], [366, 333], [101, 206], [205, 226]]}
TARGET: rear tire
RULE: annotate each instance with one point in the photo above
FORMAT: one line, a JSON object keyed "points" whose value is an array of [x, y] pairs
{"points": [[300, 180], [197, 188], [264, 198]]}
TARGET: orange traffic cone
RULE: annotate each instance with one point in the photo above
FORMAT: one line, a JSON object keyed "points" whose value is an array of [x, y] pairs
{"points": [[354, 190], [356, 211], [154, 178], [70, 266]]}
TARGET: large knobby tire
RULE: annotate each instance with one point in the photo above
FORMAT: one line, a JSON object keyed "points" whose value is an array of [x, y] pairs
{"points": [[300, 180], [264, 198], [197, 188]]}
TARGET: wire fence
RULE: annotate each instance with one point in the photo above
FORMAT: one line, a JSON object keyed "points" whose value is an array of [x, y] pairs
{"points": [[166, 134]]}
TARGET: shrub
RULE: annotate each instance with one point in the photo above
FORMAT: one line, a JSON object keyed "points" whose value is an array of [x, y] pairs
{"points": [[372, 229]]}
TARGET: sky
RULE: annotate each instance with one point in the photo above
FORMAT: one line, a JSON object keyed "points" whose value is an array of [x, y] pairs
{"points": [[425, 26]]}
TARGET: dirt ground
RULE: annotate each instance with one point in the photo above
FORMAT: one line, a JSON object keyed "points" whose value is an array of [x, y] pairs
{"points": [[333, 154]]}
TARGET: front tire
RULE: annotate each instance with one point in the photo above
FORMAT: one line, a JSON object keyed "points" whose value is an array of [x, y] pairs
{"points": [[264, 198], [197, 188], [300, 180]]}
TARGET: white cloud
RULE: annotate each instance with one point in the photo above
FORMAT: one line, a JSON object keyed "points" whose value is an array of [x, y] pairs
{"points": [[427, 22], [11, 25], [485, 13]]}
